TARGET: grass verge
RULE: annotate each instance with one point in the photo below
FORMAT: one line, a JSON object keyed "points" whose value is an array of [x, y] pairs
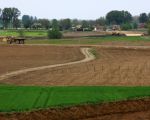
{"points": [[90, 40], [17, 98]]}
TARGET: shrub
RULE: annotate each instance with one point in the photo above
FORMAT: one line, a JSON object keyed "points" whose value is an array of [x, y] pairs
{"points": [[135, 25], [54, 34], [21, 33], [126, 26]]}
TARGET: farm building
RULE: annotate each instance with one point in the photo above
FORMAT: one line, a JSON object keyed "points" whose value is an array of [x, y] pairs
{"points": [[98, 28]]}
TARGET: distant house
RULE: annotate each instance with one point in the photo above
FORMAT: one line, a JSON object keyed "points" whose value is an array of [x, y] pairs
{"points": [[98, 28], [77, 28], [116, 27]]}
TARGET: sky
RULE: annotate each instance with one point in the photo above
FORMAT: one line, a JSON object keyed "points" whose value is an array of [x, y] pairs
{"points": [[80, 9]]}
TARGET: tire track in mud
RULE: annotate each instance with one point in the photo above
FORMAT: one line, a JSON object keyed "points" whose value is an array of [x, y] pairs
{"points": [[85, 51]]}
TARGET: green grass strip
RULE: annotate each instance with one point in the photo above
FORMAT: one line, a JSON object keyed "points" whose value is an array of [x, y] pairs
{"points": [[91, 40], [17, 98]]}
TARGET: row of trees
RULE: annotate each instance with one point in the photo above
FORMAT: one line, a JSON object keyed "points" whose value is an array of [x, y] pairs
{"points": [[9, 18]]}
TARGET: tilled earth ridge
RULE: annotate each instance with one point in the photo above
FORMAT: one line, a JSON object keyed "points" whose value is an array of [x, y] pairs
{"points": [[125, 110]]}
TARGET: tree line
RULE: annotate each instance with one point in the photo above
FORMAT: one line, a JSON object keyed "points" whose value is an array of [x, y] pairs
{"points": [[9, 18]]}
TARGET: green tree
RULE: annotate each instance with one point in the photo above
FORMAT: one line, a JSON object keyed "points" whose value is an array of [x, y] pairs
{"points": [[21, 33], [1, 18], [85, 24], [54, 34], [10, 17], [15, 14], [126, 26], [55, 24], [45, 23], [135, 25], [6, 17], [75, 22], [143, 18], [148, 26], [36, 25], [16, 23], [0, 13], [149, 16], [27, 21], [101, 21], [65, 24], [118, 17]]}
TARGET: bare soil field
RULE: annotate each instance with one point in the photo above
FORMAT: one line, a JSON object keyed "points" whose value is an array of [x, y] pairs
{"points": [[113, 66], [125, 110], [83, 34], [15, 57]]}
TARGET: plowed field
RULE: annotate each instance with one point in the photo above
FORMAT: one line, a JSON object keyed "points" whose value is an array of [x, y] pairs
{"points": [[113, 66]]}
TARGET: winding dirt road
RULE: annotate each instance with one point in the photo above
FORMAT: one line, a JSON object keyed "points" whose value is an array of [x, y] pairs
{"points": [[85, 51]]}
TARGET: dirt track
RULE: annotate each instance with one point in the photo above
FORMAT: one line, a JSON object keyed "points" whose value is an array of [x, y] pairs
{"points": [[17, 57], [126, 110], [127, 66], [118, 66], [84, 51]]}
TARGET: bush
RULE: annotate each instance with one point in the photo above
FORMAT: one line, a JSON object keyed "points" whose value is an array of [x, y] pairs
{"points": [[135, 25], [54, 34], [126, 26], [21, 33]]}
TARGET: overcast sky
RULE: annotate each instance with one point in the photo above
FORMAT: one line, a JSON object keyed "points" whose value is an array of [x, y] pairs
{"points": [[81, 9]]}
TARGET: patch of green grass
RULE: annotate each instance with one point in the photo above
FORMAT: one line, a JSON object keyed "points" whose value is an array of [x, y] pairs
{"points": [[27, 33], [17, 98], [94, 52], [90, 40]]}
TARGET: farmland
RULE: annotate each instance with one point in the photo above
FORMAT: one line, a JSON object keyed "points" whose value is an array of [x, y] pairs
{"points": [[74, 60], [27, 33], [29, 98], [113, 66], [109, 40], [20, 57], [119, 76]]}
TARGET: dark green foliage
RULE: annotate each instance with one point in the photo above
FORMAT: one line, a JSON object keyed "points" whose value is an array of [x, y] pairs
{"points": [[55, 24], [65, 24], [16, 23], [118, 17], [27, 21], [45, 23], [21, 33], [148, 16], [126, 26], [135, 25], [54, 34], [143, 18], [148, 26], [101, 21], [10, 16]]}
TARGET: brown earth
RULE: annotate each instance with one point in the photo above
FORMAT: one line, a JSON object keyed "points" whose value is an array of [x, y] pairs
{"points": [[83, 34], [16, 57], [125, 110], [113, 66]]}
